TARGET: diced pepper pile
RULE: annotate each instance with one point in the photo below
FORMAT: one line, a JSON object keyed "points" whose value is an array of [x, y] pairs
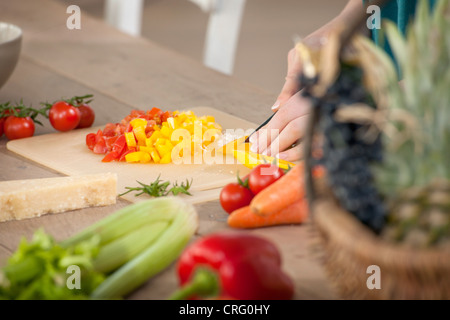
{"points": [[146, 136]]}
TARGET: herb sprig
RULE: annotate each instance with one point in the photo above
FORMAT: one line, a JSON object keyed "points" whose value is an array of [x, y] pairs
{"points": [[159, 188]]}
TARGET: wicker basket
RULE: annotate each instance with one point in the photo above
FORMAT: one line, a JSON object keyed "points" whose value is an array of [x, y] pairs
{"points": [[348, 248]]}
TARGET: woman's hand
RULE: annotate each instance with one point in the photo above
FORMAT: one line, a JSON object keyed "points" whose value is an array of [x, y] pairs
{"points": [[291, 85], [281, 136], [287, 126], [284, 130]]}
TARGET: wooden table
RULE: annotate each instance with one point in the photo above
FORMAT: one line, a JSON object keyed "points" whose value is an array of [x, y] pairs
{"points": [[124, 73]]}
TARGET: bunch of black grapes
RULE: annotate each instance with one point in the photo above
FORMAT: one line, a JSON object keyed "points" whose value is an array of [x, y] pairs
{"points": [[347, 153]]}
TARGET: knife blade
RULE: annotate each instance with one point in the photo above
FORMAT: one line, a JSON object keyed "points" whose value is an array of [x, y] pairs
{"points": [[259, 127]]}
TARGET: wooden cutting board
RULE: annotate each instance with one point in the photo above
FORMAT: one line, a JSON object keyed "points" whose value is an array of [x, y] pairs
{"points": [[67, 153]]}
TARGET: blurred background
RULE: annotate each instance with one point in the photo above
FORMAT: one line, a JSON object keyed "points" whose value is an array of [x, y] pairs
{"points": [[266, 34]]}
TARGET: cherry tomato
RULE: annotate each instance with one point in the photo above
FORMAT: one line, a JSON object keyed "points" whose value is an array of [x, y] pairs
{"points": [[262, 176], [18, 127], [234, 196], [87, 116], [63, 116], [2, 120]]}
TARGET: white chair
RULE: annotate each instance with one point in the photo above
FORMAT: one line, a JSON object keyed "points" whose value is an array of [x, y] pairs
{"points": [[221, 35], [125, 15]]}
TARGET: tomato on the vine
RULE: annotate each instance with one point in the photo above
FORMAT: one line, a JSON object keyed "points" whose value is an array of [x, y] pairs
{"points": [[18, 120], [18, 127], [262, 176], [235, 195], [69, 114], [87, 116], [63, 116], [2, 121]]}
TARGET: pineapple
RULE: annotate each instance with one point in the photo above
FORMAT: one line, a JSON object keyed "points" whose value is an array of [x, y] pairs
{"points": [[386, 157], [411, 118], [414, 177]]}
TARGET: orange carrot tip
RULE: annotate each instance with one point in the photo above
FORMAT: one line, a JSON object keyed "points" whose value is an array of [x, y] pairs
{"points": [[245, 218]]}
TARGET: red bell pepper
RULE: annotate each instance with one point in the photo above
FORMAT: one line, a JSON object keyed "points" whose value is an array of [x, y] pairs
{"points": [[234, 265]]}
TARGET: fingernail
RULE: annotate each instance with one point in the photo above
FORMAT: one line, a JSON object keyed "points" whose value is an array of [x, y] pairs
{"points": [[252, 139], [254, 148], [264, 153], [276, 105]]}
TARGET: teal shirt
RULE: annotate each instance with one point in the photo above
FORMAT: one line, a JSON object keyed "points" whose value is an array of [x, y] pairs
{"points": [[400, 12]]}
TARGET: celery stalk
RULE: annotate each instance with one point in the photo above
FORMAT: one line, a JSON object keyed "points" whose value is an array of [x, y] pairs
{"points": [[156, 257], [117, 254], [124, 221], [119, 251]]}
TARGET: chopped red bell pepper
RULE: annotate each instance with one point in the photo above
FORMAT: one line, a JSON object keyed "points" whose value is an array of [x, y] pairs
{"points": [[100, 146], [111, 141], [111, 156], [120, 144], [247, 267], [125, 152], [155, 112], [165, 116], [90, 140], [109, 130], [99, 136]]}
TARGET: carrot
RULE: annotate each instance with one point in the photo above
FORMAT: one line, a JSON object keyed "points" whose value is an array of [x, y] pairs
{"points": [[245, 218], [280, 194], [283, 192]]}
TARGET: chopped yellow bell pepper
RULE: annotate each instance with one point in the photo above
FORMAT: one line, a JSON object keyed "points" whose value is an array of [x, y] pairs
{"points": [[138, 156], [155, 135], [167, 158], [166, 131], [155, 156], [146, 149], [251, 159], [197, 134], [145, 157], [139, 133], [171, 122], [130, 139], [162, 149], [138, 122], [231, 146]]}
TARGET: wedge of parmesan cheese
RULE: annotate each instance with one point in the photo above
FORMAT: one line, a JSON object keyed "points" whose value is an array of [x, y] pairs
{"points": [[21, 199]]}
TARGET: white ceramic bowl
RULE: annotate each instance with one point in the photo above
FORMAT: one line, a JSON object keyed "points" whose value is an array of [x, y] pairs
{"points": [[10, 45]]}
